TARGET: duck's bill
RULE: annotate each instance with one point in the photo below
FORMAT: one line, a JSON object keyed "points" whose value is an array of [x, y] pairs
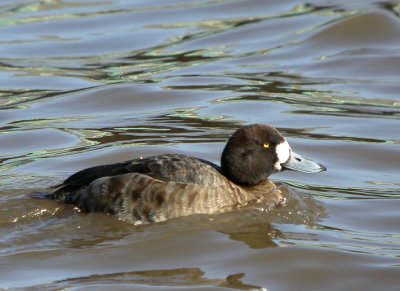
{"points": [[298, 163]]}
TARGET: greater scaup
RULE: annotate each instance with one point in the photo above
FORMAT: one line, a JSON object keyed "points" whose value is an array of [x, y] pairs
{"points": [[166, 186]]}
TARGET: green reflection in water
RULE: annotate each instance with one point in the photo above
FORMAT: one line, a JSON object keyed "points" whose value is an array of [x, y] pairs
{"points": [[340, 193], [358, 241], [120, 67], [143, 129]]}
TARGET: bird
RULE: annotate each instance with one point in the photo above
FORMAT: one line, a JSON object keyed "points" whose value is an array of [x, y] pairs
{"points": [[166, 186]]}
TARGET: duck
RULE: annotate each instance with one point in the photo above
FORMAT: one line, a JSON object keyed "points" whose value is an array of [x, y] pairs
{"points": [[166, 186]]}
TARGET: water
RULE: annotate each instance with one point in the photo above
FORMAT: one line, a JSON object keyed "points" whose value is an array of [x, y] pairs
{"points": [[84, 84]]}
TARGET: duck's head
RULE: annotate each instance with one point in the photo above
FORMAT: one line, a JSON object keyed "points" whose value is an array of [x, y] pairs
{"points": [[256, 151]]}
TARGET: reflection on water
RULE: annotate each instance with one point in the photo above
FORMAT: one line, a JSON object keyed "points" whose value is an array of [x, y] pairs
{"points": [[84, 84], [189, 277]]}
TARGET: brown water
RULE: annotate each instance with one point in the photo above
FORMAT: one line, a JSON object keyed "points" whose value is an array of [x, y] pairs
{"points": [[104, 81]]}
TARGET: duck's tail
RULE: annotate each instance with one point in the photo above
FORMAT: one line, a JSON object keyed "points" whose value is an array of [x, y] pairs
{"points": [[65, 193]]}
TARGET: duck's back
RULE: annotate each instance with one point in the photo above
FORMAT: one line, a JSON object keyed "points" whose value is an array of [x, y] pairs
{"points": [[178, 168], [168, 168]]}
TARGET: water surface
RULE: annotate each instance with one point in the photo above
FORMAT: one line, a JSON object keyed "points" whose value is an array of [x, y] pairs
{"points": [[83, 84]]}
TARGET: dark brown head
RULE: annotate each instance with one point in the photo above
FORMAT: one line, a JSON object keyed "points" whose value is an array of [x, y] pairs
{"points": [[256, 151]]}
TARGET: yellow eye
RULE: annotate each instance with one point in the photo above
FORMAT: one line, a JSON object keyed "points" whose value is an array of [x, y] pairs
{"points": [[266, 145]]}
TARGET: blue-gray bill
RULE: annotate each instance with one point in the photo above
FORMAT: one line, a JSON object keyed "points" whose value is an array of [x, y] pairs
{"points": [[298, 163]]}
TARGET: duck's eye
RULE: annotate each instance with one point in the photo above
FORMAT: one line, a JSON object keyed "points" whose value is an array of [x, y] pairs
{"points": [[266, 145]]}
